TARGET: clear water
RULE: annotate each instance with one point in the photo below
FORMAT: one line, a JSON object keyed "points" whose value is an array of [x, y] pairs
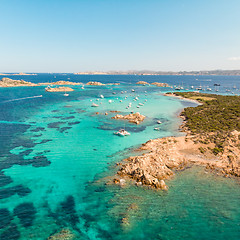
{"points": [[55, 150]]}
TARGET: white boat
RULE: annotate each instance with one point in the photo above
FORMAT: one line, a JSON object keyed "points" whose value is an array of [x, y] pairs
{"points": [[140, 104], [82, 87], [178, 88], [65, 94], [95, 105], [101, 96], [110, 101], [157, 129], [159, 122], [122, 133], [133, 90], [209, 89]]}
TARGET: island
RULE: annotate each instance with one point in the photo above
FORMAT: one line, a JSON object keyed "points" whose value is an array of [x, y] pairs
{"points": [[8, 82], [212, 140], [59, 89], [142, 83], [62, 83], [18, 74], [95, 83], [136, 118], [158, 84]]}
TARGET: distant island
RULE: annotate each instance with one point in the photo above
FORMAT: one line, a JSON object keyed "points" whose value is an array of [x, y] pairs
{"points": [[18, 74], [148, 72]]}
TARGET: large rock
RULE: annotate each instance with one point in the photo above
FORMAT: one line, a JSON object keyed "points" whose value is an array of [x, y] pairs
{"points": [[136, 118], [158, 84]]}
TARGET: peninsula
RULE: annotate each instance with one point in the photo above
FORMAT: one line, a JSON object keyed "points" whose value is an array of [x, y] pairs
{"points": [[212, 140]]}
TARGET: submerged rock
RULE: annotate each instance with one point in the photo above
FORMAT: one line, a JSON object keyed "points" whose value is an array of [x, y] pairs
{"points": [[64, 234]]}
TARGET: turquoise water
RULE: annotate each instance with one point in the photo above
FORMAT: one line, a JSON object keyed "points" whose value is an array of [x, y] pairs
{"points": [[55, 150]]}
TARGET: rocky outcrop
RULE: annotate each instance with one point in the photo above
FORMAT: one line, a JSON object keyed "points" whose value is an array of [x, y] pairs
{"points": [[8, 82], [95, 83], [142, 83], [136, 118], [167, 155], [64, 234], [59, 89], [65, 83], [153, 168], [158, 84]]}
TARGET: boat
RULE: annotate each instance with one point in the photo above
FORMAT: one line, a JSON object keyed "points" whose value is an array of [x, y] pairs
{"points": [[159, 122], [157, 129], [209, 89], [133, 90], [178, 88], [65, 94], [216, 84], [140, 104], [82, 87], [110, 101], [122, 133], [199, 88], [95, 105], [101, 96]]}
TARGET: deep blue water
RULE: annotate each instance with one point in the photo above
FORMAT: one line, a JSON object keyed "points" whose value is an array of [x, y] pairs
{"points": [[55, 152]]}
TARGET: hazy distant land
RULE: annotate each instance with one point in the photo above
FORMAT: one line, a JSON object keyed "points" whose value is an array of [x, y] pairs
{"points": [[147, 72]]}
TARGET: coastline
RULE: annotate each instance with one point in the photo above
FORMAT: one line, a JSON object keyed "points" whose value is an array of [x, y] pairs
{"points": [[166, 156]]}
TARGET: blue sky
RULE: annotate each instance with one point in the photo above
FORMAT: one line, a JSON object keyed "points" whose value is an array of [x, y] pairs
{"points": [[103, 35]]}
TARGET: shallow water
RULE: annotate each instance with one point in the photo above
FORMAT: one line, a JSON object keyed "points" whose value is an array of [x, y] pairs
{"points": [[55, 148]]}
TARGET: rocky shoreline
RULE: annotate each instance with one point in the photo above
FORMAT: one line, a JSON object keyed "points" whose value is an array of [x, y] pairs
{"points": [[166, 156]]}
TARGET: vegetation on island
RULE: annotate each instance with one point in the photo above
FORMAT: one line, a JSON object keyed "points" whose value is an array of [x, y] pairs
{"points": [[213, 120]]}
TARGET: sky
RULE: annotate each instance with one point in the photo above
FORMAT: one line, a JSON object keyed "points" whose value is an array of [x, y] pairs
{"points": [[105, 35]]}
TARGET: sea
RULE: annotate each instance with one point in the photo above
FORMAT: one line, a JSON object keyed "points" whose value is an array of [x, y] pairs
{"points": [[57, 153]]}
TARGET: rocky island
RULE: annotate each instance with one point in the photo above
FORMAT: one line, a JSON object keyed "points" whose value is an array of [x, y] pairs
{"points": [[8, 82], [59, 89], [136, 118], [212, 140], [62, 83], [95, 84], [158, 84], [142, 83]]}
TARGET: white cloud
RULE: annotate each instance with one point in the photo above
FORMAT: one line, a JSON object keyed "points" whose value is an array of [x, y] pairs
{"points": [[234, 59]]}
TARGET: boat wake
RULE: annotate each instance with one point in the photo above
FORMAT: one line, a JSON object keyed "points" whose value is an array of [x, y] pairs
{"points": [[18, 99]]}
